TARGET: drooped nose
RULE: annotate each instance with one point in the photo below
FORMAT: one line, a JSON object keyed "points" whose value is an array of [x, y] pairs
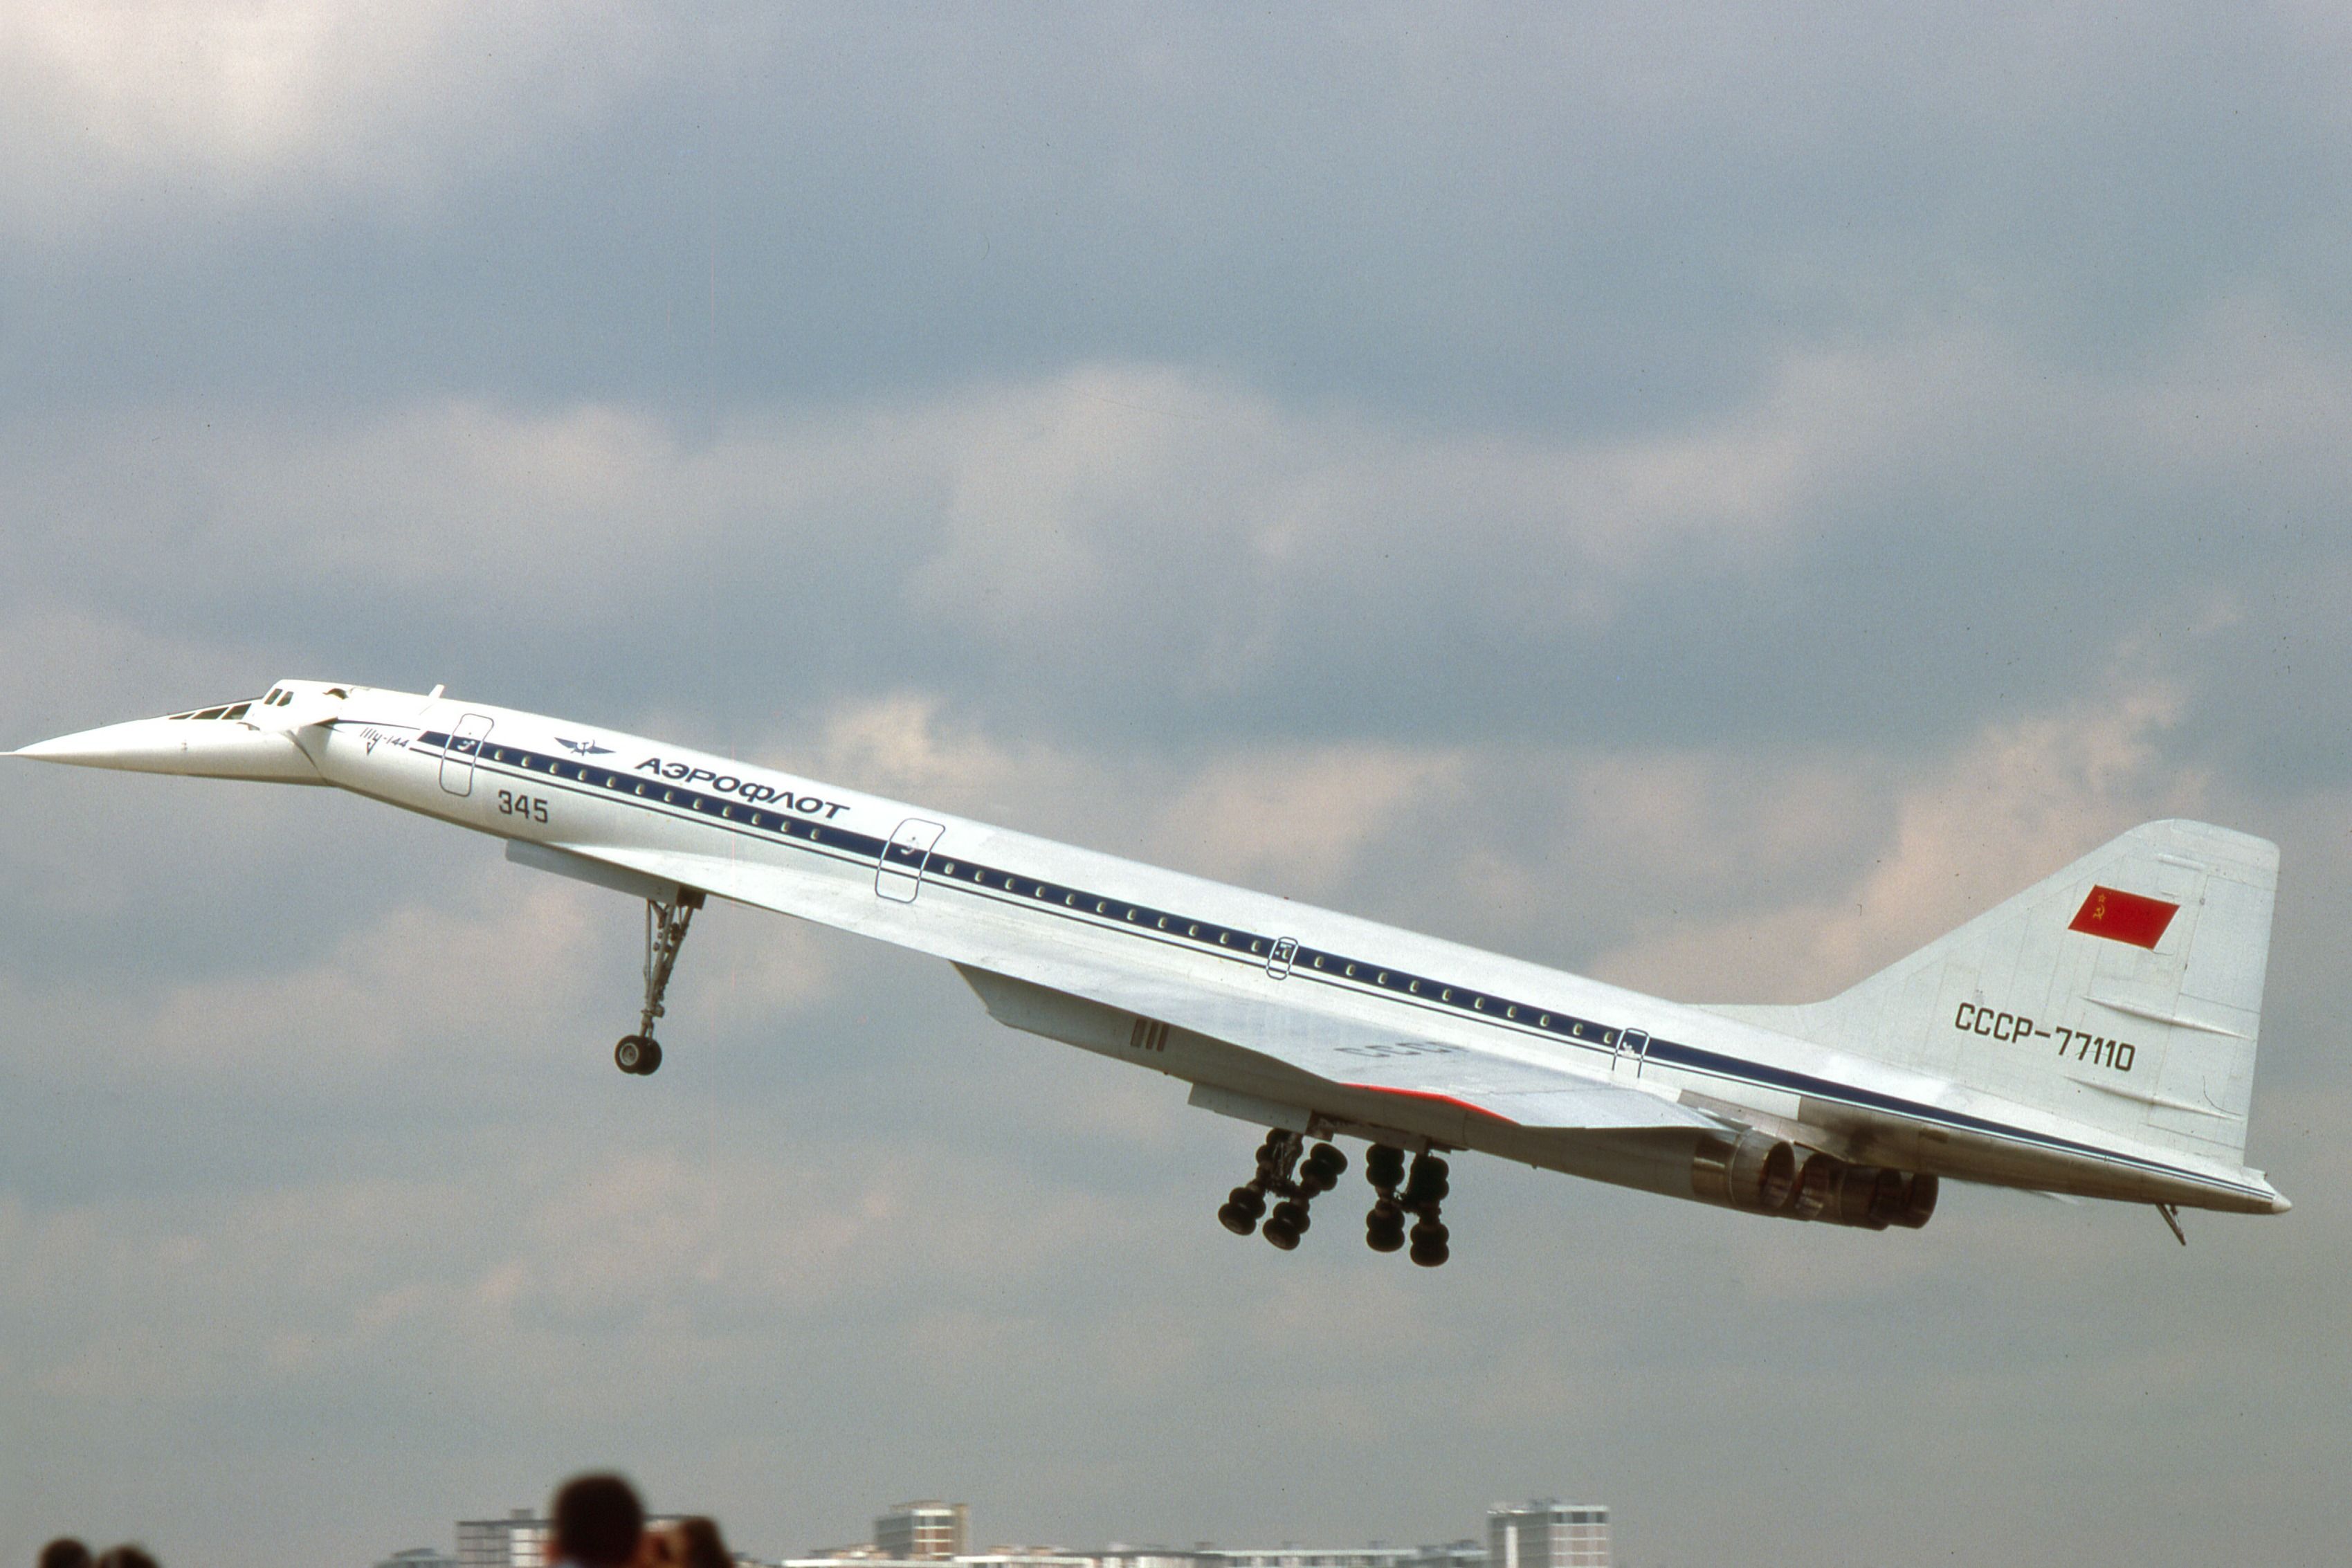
{"points": [[199, 747]]}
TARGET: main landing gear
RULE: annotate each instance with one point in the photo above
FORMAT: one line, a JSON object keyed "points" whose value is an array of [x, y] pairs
{"points": [[1281, 1170], [665, 933], [1425, 1187], [1296, 1174]]}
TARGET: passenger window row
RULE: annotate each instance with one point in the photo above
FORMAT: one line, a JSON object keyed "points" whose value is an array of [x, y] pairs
{"points": [[1202, 933]]}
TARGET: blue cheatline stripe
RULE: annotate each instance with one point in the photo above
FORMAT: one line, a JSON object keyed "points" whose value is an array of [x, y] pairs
{"points": [[1360, 976]]}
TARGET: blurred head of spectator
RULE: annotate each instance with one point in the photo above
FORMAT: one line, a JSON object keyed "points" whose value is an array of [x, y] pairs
{"points": [[599, 1523]]}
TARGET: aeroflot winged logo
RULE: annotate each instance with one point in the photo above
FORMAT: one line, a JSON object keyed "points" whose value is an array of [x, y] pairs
{"points": [[583, 748], [2123, 917]]}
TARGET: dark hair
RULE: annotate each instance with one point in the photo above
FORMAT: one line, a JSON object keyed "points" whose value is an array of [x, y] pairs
{"points": [[701, 1548], [125, 1557], [65, 1551], [598, 1521]]}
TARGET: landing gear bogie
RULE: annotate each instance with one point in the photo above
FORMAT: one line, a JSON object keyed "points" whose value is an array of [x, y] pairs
{"points": [[1420, 1192], [1296, 1174]]}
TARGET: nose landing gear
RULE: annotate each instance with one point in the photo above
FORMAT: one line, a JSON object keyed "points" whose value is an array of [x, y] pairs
{"points": [[641, 1054], [1295, 1181]]}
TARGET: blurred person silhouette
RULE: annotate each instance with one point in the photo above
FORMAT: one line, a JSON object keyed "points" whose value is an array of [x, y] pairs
{"points": [[598, 1524], [125, 1556], [693, 1542], [65, 1551]]}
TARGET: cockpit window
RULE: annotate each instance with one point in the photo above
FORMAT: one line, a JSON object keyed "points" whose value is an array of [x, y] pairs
{"points": [[278, 696]]}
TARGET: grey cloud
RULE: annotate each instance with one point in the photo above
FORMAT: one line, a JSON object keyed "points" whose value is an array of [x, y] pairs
{"points": [[1909, 539], [1613, 216]]}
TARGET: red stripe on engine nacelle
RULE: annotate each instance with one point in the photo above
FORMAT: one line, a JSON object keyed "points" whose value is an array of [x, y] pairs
{"points": [[2123, 917]]}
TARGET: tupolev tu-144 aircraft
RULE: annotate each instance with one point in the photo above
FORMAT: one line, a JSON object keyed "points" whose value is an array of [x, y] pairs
{"points": [[2093, 1036]]}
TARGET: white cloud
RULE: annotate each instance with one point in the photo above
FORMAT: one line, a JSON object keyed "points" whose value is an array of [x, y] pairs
{"points": [[1107, 510], [1104, 510], [1288, 817], [116, 102], [2017, 801]]}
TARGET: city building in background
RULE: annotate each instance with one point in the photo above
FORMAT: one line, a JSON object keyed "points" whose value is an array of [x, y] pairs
{"points": [[924, 1531], [1548, 1534], [931, 1534], [1462, 1554], [1310, 1557], [517, 1540]]}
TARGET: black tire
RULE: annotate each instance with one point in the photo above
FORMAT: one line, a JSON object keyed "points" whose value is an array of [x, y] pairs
{"points": [[1249, 1201], [1279, 1232], [1431, 1255], [629, 1055], [1292, 1217], [1331, 1160], [652, 1059], [1383, 1165], [1236, 1218], [1383, 1234]]}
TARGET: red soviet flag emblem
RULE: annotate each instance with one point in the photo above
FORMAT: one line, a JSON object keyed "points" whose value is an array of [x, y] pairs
{"points": [[2123, 917]]}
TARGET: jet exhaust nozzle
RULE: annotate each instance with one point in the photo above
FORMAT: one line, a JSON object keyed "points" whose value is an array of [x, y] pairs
{"points": [[1764, 1175]]}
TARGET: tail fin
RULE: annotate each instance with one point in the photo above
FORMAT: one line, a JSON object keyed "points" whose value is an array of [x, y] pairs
{"points": [[2124, 992]]}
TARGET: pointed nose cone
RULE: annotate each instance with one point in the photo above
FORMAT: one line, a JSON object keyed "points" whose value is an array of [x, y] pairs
{"points": [[213, 748], [143, 746]]}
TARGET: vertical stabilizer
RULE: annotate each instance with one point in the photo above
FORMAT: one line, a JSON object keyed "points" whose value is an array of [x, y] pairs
{"points": [[2124, 992]]}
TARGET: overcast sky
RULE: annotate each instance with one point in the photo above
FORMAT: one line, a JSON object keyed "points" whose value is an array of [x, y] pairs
{"points": [[1706, 497]]}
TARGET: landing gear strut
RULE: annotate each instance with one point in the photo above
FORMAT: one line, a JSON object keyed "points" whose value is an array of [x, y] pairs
{"points": [[1295, 1181], [665, 933]]}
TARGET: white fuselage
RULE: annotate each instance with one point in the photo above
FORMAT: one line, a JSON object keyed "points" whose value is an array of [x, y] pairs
{"points": [[1040, 927]]}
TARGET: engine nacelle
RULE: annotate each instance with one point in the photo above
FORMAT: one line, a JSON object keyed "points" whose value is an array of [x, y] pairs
{"points": [[1771, 1176]]}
